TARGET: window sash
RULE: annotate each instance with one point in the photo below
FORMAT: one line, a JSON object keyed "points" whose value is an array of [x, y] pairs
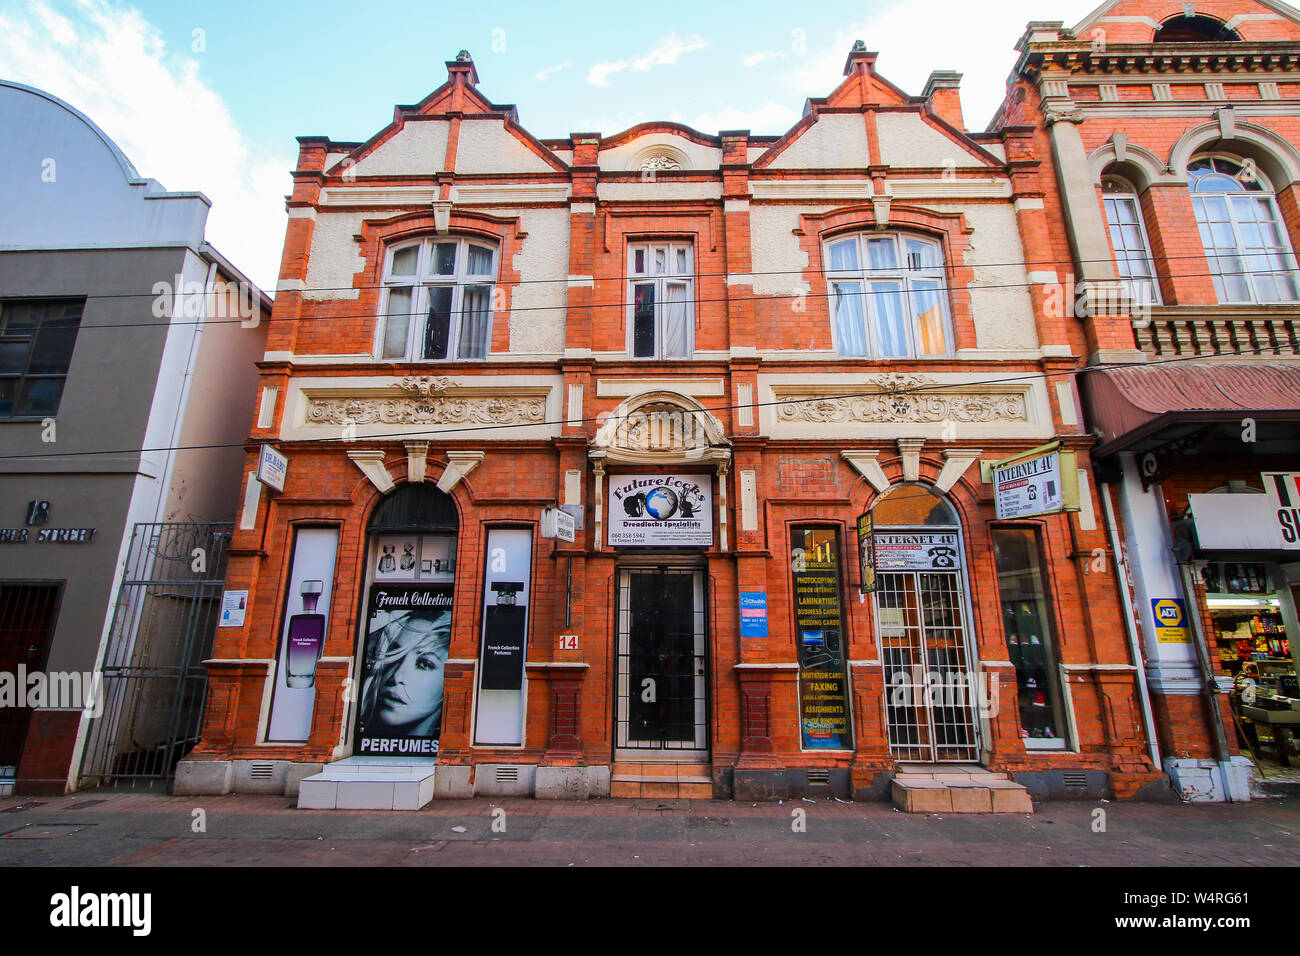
{"points": [[1247, 248], [37, 341], [1128, 239], [661, 312], [439, 308]]}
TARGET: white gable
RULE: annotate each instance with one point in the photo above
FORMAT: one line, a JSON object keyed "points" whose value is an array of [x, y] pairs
{"points": [[835, 141], [907, 140], [418, 147], [484, 146]]}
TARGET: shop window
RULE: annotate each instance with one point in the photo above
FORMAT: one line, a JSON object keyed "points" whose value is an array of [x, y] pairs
{"points": [[819, 636], [1022, 585], [36, 341], [888, 296], [1242, 231], [1128, 239], [437, 300], [661, 308]]}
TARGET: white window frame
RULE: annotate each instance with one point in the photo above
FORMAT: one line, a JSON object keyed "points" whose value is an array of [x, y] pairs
{"points": [[421, 283], [676, 274], [1123, 256], [1219, 268], [904, 276]]}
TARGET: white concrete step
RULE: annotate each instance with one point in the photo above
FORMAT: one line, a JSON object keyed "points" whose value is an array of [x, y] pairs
{"points": [[369, 783]]}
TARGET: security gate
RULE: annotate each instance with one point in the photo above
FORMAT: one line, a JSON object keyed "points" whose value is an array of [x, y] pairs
{"points": [[929, 694], [28, 611], [154, 682], [661, 684]]}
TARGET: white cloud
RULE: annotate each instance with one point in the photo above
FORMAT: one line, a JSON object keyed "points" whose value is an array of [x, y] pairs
{"points": [[546, 71], [758, 56], [770, 118], [115, 67], [667, 51]]}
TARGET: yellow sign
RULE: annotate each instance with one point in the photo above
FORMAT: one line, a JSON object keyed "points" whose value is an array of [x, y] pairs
{"points": [[1171, 621]]}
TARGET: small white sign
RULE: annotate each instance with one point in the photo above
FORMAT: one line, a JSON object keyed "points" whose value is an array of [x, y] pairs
{"points": [[557, 523], [658, 510], [1031, 486], [272, 468], [234, 604]]}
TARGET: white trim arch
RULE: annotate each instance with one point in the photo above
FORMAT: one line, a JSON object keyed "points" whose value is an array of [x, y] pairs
{"points": [[1278, 159], [1139, 166], [660, 427]]}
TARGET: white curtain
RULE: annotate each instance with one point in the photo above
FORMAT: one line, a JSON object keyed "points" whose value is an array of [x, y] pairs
{"points": [[475, 318], [676, 315], [849, 328]]}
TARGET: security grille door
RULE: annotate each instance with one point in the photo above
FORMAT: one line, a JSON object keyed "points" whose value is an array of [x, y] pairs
{"points": [[27, 615], [661, 672], [928, 695]]}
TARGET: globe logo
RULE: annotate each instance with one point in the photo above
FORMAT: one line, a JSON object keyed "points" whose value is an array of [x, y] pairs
{"points": [[661, 503]]}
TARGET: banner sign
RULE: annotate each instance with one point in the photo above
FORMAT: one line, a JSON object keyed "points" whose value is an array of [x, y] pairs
{"points": [[1030, 486], [660, 510], [917, 551], [753, 614], [302, 632], [408, 636], [866, 554], [1284, 487], [818, 616]]}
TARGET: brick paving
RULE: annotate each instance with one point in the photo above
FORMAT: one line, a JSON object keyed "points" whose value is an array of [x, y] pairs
{"points": [[128, 829]]}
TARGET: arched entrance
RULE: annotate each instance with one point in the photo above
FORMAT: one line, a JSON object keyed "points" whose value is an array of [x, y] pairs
{"points": [[406, 625], [922, 625]]}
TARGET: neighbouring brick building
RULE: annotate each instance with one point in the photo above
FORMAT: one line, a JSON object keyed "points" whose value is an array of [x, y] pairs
{"points": [[1168, 131], [719, 359]]}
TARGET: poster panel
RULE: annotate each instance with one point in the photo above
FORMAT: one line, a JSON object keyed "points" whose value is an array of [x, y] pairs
{"points": [[819, 635]]}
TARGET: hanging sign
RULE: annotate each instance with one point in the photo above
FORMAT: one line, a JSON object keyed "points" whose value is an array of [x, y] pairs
{"points": [[916, 551], [1041, 481], [558, 523], [659, 510], [866, 554], [272, 467]]}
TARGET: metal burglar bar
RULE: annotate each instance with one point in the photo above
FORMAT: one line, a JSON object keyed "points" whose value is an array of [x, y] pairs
{"points": [[661, 660], [928, 699], [28, 611], [154, 682]]}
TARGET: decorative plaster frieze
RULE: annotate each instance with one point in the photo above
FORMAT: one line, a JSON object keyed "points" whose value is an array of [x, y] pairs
{"points": [[900, 398]]}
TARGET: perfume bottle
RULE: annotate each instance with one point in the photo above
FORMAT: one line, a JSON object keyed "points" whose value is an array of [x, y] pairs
{"points": [[306, 638]]}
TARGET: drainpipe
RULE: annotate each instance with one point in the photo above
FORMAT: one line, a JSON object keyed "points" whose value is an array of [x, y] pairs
{"points": [[1130, 625], [1222, 754]]}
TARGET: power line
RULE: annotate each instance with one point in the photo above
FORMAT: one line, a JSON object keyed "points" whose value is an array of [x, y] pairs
{"points": [[442, 433]]}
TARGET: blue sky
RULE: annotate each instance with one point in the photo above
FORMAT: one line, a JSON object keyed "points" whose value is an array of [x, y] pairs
{"points": [[217, 110]]}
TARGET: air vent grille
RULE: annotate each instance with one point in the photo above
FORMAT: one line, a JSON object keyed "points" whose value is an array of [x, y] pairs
{"points": [[819, 776], [1075, 779], [262, 771], [507, 774]]}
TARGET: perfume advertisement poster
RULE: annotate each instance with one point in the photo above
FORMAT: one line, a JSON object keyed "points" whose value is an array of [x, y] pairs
{"points": [[408, 636], [823, 691]]}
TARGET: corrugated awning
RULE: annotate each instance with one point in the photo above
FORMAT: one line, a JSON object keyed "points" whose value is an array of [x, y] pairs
{"points": [[1131, 404]]}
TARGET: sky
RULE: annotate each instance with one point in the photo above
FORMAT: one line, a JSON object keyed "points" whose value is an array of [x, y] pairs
{"points": [[209, 96]]}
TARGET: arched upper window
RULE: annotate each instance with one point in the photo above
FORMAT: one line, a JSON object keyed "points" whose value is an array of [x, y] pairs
{"points": [[1194, 29], [437, 300], [888, 295], [913, 505], [1128, 237], [1245, 241]]}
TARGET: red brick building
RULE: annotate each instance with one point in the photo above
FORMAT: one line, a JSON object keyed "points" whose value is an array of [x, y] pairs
{"points": [[1167, 134], [717, 357]]}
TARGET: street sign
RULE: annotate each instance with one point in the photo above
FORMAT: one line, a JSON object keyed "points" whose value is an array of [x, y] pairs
{"points": [[557, 523], [272, 467]]}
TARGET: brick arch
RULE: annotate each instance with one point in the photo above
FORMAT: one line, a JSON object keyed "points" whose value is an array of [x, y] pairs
{"points": [[377, 235], [950, 228]]}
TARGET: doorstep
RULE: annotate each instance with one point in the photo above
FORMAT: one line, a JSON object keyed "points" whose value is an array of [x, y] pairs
{"points": [[957, 789], [654, 779], [369, 783]]}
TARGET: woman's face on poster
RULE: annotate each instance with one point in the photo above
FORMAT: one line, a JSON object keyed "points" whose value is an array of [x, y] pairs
{"points": [[411, 695]]}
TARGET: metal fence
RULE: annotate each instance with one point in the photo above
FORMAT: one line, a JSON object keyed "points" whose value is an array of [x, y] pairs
{"points": [[154, 682]]}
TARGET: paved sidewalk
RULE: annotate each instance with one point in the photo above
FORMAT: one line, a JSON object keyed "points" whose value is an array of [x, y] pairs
{"points": [[123, 829]]}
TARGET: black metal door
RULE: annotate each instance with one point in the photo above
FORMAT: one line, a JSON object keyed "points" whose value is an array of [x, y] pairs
{"points": [[661, 659], [27, 616]]}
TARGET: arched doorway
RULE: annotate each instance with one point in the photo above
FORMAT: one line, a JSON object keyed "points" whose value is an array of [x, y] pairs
{"points": [[922, 625], [406, 623]]}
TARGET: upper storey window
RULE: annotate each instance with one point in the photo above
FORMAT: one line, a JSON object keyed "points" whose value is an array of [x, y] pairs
{"points": [[36, 341], [661, 279], [888, 296], [1250, 257], [437, 300], [1194, 29], [1128, 238]]}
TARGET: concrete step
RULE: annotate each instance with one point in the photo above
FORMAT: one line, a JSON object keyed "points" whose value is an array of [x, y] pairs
{"points": [[976, 793], [359, 783], [661, 780]]}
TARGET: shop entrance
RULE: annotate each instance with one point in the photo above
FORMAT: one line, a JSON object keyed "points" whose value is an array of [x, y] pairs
{"points": [[921, 621], [27, 614], [662, 703]]}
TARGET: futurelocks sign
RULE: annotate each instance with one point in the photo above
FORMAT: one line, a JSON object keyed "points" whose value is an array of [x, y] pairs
{"points": [[660, 510]]}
